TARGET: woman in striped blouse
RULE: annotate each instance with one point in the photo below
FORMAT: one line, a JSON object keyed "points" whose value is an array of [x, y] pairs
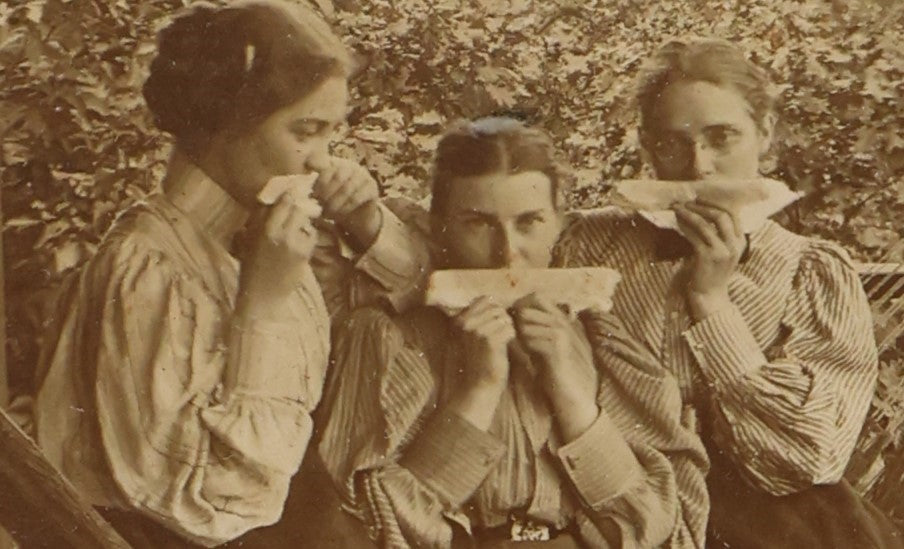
{"points": [[179, 378], [769, 333], [496, 425]]}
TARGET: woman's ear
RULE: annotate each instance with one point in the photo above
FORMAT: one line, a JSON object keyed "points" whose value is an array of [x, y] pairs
{"points": [[766, 132]]}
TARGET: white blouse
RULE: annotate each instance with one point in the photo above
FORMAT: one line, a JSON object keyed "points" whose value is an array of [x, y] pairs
{"points": [[153, 400]]}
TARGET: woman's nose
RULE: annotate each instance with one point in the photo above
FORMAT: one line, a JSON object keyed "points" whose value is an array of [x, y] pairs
{"points": [[509, 251], [704, 165]]}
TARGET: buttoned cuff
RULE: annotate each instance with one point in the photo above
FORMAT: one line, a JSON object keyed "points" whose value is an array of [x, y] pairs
{"points": [[397, 259], [452, 457], [258, 363], [600, 463], [724, 347]]}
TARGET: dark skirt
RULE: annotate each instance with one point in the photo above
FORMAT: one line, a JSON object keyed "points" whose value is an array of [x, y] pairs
{"points": [[312, 517], [825, 516]]}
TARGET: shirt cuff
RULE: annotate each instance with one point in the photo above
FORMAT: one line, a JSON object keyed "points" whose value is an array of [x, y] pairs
{"points": [[600, 463], [452, 457], [724, 347], [260, 357], [397, 259]]}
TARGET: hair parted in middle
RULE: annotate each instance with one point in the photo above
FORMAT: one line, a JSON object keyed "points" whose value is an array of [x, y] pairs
{"points": [[492, 145], [704, 59]]}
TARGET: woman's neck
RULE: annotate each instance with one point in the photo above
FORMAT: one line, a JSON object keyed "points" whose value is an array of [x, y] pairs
{"points": [[206, 203]]}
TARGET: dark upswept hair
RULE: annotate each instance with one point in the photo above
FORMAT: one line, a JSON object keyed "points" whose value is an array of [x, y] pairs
{"points": [[223, 68], [702, 59], [488, 146]]}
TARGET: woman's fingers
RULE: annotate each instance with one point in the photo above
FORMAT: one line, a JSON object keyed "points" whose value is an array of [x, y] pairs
{"points": [[698, 231], [477, 308], [726, 224], [488, 318], [538, 317], [537, 333], [355, 199], [278, 217], [309, 207]]}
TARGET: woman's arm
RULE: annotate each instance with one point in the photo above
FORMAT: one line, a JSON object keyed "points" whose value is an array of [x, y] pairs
{"points": [[405, 468], [371, 250], [791, 419], [640, 468], [788, 416], [202, 421]]}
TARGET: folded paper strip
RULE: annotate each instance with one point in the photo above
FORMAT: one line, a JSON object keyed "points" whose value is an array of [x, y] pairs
{"points": [[578, 288], [753, 201], [299, 188]]}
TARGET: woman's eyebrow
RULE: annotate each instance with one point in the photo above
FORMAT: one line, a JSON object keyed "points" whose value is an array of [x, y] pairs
{"points": [[725, 126], [537, 212], [473, 212], [303, 123]]}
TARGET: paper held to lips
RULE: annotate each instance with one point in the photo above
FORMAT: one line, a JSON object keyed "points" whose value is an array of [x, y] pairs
{"points": [[299, 188], [753, 201], [577, 288]]}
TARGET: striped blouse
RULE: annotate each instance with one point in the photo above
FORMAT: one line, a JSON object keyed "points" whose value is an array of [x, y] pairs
{"points": [[786, 374], [152, 400], [417, 474]]}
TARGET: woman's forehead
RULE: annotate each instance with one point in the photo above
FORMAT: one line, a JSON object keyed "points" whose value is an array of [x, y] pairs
{"points": [[693, 105], [327, 102], [501, 194]]}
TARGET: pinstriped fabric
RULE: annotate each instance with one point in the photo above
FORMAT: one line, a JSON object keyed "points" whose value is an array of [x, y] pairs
{"points": [[390, 271], [646, 395], [789, 371], [406, 465]]}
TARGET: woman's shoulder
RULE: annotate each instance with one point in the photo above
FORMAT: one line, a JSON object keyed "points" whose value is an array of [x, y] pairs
{"points": [[145, 238], [604, 221], [598, 236], [419, 329], [808, 252], [132, 234]]}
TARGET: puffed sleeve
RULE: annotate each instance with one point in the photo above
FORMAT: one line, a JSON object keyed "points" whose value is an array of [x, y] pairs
{"points": [[791, 420], [391, 271], [202, 424], [405, 468], [641, 466]]}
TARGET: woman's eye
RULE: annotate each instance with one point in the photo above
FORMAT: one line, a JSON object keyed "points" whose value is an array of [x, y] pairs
{"points": [[306, 129], [529, 222], [720, 138]]}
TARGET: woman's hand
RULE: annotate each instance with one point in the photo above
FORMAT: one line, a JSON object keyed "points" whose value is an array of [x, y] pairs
{"points": [[484, 332], [718, 244], [282, 241], [349, 196], [564, 360]]}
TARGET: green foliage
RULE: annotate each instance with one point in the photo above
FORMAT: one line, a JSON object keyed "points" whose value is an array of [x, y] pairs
{"points": [[572, 65], [78, 143], [79, 146]]}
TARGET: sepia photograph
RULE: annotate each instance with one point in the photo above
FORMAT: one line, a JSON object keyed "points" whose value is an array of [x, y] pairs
{"points": [[452, 274]]}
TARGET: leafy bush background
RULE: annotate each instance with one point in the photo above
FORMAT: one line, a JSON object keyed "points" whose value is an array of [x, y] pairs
{"points": [[78, 145]]}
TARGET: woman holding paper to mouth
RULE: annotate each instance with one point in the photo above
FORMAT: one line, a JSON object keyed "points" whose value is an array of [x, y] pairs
{"points": [[768, 332], [178, 379], [497, 424]]}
